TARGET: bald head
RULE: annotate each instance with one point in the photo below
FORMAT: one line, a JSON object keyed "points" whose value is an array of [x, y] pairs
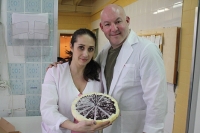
{"points": [[113, 8]]}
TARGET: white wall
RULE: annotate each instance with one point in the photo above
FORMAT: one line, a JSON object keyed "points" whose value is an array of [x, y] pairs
{"points": [[142, 17]]}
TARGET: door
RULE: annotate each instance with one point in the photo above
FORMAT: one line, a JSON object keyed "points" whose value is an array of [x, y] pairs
{"points": [[193, 116]]}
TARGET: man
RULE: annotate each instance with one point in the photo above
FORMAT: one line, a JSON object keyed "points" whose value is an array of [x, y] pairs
{"points": [[132, 72]]}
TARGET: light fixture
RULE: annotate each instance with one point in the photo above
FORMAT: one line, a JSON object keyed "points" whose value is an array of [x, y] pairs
{"points": [[177, 4], [161, 10]]}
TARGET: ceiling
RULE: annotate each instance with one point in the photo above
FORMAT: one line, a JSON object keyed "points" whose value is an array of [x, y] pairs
{"points": [[76, 6]]}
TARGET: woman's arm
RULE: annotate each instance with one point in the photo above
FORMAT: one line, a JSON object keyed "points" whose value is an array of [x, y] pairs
{"points": [[49, 103]]}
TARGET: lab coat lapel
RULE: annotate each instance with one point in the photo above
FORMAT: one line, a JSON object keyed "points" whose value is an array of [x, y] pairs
{"points": [[103, 64], [122, 58]]}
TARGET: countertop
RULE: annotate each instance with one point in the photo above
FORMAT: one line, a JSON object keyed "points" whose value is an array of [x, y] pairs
{"points": [[29, 124]]}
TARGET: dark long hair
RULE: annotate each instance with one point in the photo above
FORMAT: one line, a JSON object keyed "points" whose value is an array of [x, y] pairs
{"points": [[92, 69]]}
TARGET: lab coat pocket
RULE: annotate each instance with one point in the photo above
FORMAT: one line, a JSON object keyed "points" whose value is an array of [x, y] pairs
{"points": [[130, 75], [129, 71], [132, 121]]}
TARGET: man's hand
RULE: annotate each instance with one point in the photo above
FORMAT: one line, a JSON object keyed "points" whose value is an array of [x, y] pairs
{"points": [[54, 64]]}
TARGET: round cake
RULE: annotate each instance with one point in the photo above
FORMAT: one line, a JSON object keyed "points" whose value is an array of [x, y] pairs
{"points": [[95, 106]]}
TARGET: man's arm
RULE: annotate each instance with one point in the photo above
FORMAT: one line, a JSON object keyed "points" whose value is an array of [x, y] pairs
{"points": [[54, 64], [154, 85]]}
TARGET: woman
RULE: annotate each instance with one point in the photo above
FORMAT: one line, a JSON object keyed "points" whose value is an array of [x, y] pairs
{"points": [[63, 84]]}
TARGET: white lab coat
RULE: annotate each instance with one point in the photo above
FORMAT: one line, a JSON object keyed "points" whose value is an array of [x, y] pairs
{"points": [[139, 85], [58, 92]]}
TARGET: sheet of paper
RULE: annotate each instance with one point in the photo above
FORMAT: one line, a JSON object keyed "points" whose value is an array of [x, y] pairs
{"points": [[30, 26], [153, 38], [157, 40]]}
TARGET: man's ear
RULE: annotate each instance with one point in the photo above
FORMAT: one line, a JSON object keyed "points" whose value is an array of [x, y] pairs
{"points": [[128, 19], [101, 26]]}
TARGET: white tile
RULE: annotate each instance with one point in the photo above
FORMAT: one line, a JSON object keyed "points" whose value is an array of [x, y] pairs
{"points": [[154, 21], [134, 9], [160, 3], [4, 102], [133, 23], [4, 5], [126, 9], [139, 7], [168, 15], [4, 91], [18, 102], [177, 13], [149, 21], [178, 1], [166, 131], [143, 6], [15, 59], [148, 6], [160, 20], [5, 113], [5, 75], [169, 120], [176, 23], [154, 5], [143, 22], [19, 112], [169, 3], [171, 101]]}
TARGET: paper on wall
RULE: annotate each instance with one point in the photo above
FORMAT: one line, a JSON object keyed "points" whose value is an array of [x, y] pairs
{"points": [[153, 38], [157, 40], [30, 26]]}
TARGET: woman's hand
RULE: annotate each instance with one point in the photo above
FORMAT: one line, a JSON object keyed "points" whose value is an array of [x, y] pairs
{"points": [[90, 126], [85, 126]]}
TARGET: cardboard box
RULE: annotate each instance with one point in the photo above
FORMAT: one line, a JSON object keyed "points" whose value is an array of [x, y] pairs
{"points": [[6, 127]]}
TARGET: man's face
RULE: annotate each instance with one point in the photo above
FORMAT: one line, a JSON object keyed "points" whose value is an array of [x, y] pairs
{"points": [[114, 24]]}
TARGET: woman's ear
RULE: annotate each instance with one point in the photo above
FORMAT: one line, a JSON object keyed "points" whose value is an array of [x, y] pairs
{"points": [[71, 48]]}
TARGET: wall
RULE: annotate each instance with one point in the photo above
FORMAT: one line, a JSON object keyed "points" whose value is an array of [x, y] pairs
{"points": [[182, 91], [98, 6], [73, 21], [142, 18], [27, 62]]}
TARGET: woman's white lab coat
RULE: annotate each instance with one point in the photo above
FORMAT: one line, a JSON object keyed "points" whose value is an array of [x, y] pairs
{"points": [[139, 86], [58, 92]]}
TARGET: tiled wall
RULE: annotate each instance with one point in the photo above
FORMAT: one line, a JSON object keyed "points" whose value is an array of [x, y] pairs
{"points": [[142, 18], [27, 62], [185, 60]]}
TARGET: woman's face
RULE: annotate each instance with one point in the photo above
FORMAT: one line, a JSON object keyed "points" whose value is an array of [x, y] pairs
{"points": [[83, 50]]}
